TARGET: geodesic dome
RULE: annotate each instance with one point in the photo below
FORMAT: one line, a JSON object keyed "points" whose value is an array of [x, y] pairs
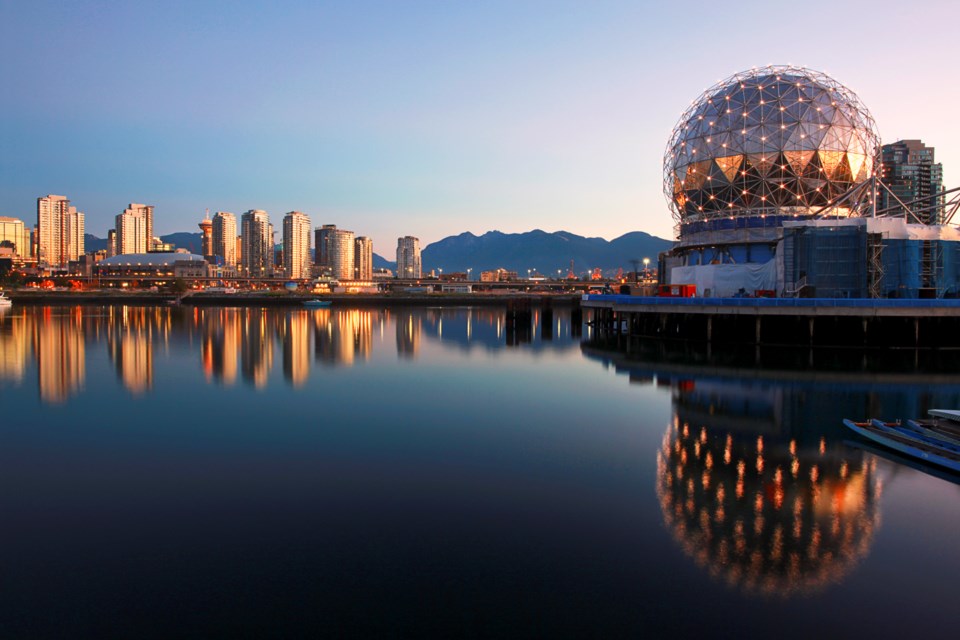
{"points": [[778, 139]]}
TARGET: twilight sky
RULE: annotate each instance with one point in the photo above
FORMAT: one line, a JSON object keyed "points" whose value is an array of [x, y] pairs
{"points": [[399, 118]]}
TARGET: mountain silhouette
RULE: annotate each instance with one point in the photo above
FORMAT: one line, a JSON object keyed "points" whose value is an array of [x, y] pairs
{"points": [[540, 251]]}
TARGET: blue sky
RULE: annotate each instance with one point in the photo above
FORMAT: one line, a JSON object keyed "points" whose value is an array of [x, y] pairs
{"points": [[419, 118]]}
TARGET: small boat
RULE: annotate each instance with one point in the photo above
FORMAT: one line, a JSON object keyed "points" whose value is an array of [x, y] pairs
{"points": [[946, 414], [911, 447], [4, 300], [317, 304], [936, 429], [927, 437]]}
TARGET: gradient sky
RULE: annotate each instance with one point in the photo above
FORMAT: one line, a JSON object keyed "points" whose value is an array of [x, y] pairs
{"points": [[420, 118]]}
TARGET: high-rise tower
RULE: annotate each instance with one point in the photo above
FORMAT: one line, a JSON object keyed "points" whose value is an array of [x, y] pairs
{"points": [[408, 257], [296, 245], [224, 238], [908, 169], [334, 251], [363, 258], [134, 229], [60, 230], [206, 241], [257, 234]]}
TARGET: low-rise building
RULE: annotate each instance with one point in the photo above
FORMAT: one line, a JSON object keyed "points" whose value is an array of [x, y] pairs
{"points": [[154, 265]]}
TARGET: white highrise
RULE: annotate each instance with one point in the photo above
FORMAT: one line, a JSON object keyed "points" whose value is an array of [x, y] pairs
{"points": [[334, 251], [59, 231], [408, 257], [134, 229], [296, 246]]}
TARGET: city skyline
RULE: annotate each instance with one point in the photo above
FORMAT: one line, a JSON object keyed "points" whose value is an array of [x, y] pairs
{"points": [[409, 119]]}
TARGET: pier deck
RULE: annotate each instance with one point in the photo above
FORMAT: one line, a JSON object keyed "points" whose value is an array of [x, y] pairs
{"points": [[858, 323]]}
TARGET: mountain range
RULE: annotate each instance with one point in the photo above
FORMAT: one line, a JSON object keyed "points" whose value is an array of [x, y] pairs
{"points": [[546, 253], [540, 251]]}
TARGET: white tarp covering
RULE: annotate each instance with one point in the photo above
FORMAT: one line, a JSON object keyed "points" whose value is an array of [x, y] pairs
{"points": [[726, 280]]}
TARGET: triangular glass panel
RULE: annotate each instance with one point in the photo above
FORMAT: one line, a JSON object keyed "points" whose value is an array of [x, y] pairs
{"points": [[798, 160], [830, 161], [680, 174], [697, 174], [730, 166], [761, 163], [841, 119], [843, 171]]}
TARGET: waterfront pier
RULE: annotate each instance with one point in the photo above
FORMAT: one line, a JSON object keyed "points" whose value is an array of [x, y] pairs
{"points": [[813, 322]]}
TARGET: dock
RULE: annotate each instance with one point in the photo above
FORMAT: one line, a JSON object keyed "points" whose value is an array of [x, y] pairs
{"points": [[812, 322]]}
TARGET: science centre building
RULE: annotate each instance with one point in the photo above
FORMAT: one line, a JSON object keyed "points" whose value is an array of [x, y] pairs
{"points": [[771, 177]]}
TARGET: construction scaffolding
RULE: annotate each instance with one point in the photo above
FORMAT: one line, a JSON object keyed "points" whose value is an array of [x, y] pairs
{"points": [[870, 258]]}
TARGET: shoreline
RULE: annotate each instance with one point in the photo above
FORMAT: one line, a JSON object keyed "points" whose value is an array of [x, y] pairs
{"points": [[39, 298]]}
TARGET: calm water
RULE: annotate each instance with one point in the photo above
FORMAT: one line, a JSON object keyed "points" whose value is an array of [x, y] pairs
{"points": [[416, 473]]}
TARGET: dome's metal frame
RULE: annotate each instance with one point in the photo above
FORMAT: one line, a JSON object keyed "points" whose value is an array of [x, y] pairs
{"points": [[783, 156]]}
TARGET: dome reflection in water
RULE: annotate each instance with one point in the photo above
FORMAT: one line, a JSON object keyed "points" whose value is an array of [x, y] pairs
{"points": [[762, 514]]}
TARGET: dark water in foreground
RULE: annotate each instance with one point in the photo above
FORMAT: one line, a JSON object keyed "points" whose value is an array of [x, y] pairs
{"points": [[426, 472]]}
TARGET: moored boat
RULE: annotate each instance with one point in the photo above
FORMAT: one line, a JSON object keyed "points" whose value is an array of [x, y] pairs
{"points": [[317, 304], [4, 300], [936, 429], [915, 448], [908, 431], [947, 414]]}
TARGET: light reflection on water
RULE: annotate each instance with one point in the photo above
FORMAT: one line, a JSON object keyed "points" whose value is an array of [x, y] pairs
{"points": [[444, 471], [242, 344]]}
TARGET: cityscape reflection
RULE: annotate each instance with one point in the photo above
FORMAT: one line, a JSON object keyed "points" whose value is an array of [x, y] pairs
{"points": [[242, 343]]}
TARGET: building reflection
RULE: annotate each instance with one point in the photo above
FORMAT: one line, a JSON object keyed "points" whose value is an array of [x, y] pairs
{"points": [[409, 329], [14, 346], [296, 348], [764, 515], [60, 348], [130, 338], [342, 336], [494, 328], [754, 477], [256, 347], [220, 344], [239, 343]]}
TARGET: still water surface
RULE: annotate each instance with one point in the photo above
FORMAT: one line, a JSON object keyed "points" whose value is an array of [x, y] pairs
{"points": [[436, 472]]}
